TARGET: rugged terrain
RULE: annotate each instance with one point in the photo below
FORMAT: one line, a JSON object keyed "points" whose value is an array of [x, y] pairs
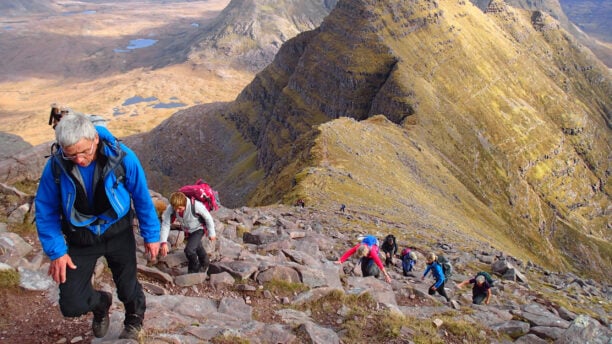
{"points": [[482, 130], [272, 280], [518, 147]]}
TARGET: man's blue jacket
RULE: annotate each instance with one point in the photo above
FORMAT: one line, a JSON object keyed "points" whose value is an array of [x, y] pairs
{"points": [[55, 199]]}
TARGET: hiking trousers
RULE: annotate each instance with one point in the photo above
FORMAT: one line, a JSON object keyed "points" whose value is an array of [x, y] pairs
{"points": [[477, 299], [195, 252], [77, 295], [369, 268], [407, 264], [440, 290]]}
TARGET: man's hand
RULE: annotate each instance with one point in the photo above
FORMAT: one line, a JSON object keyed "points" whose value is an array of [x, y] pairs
{"points": [[152, 249], [212, 238], [57, 268]]}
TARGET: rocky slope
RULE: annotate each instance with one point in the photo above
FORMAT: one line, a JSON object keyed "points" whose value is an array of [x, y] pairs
{"points": [[501, 113], [272, 280], [594, 11], [248, 33]]}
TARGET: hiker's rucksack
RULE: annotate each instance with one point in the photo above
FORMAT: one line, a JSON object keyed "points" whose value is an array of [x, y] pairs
{"points": [[447, 268], [487, 277], [411, 254], [203, 193]]}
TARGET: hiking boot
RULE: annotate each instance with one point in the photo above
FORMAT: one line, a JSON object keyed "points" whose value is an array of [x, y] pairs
{"points": [[132, 328], [100, 322]]}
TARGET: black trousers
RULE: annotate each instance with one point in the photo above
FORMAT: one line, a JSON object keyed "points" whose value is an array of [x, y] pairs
{"points": [[77, 295], [478, 298], [440, 290], [369, 268], [195, 252]]}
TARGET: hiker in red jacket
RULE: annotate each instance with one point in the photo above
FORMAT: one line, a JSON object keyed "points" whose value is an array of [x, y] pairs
{"points": [[367, 252]]}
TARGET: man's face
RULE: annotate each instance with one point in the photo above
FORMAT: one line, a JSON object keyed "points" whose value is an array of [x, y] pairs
{"points": [[81, 153]]}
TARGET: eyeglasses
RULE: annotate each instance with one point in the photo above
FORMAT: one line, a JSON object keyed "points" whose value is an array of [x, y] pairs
{"points": [[80, 154]]}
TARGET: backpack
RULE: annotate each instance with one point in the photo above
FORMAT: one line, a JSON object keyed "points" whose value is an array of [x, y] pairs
{"points": [[405, 251], [202, 192], [447, 268], [487, 277]]}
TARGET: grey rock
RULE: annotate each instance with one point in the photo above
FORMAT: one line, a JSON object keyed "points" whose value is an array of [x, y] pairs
{"points": [[13, 248], [189, 280], [282, 273], [530, 339], [219, 281], [512, 328], [320, 335], [155, 274], [18, 215], [236, 308], [34, 280], [585, 329], [547, 332], [241, 270]]}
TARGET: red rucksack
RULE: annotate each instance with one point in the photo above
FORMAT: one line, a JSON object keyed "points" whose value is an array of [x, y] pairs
{"points": [[203, 193]]}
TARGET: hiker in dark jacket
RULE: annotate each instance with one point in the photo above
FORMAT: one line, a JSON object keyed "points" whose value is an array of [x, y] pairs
{"points": [[367, 252], [84, 212], [438, 275], [389, 247], [481, 291]]}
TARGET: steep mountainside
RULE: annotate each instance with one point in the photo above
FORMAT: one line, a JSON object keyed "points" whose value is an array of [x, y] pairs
{"points": [[498, 123], [596, 16], [248, 33]]}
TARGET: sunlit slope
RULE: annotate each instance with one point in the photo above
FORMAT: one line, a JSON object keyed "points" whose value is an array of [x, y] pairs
{"points": [[511, 106], [378, 168]]}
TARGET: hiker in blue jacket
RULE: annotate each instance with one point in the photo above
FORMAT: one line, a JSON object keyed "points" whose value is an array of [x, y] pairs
{"points": [[83, 212], [438, 275]]}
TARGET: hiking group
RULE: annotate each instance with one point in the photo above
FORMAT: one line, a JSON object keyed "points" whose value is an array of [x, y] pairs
{"points": [[367, 252], [91, 188]]}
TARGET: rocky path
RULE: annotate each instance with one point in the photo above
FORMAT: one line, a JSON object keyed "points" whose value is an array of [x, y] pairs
{"points": [[272, 280]]}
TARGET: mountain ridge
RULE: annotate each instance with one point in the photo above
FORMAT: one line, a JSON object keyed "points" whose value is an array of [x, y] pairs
{"points": [[537, 128]]}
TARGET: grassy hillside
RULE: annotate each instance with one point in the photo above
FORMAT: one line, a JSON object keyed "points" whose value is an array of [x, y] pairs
{"points": [[492, 97]]}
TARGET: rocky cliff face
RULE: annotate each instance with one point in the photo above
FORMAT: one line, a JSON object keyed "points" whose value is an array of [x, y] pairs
{"points": [[504, 101], [248, 33]]}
